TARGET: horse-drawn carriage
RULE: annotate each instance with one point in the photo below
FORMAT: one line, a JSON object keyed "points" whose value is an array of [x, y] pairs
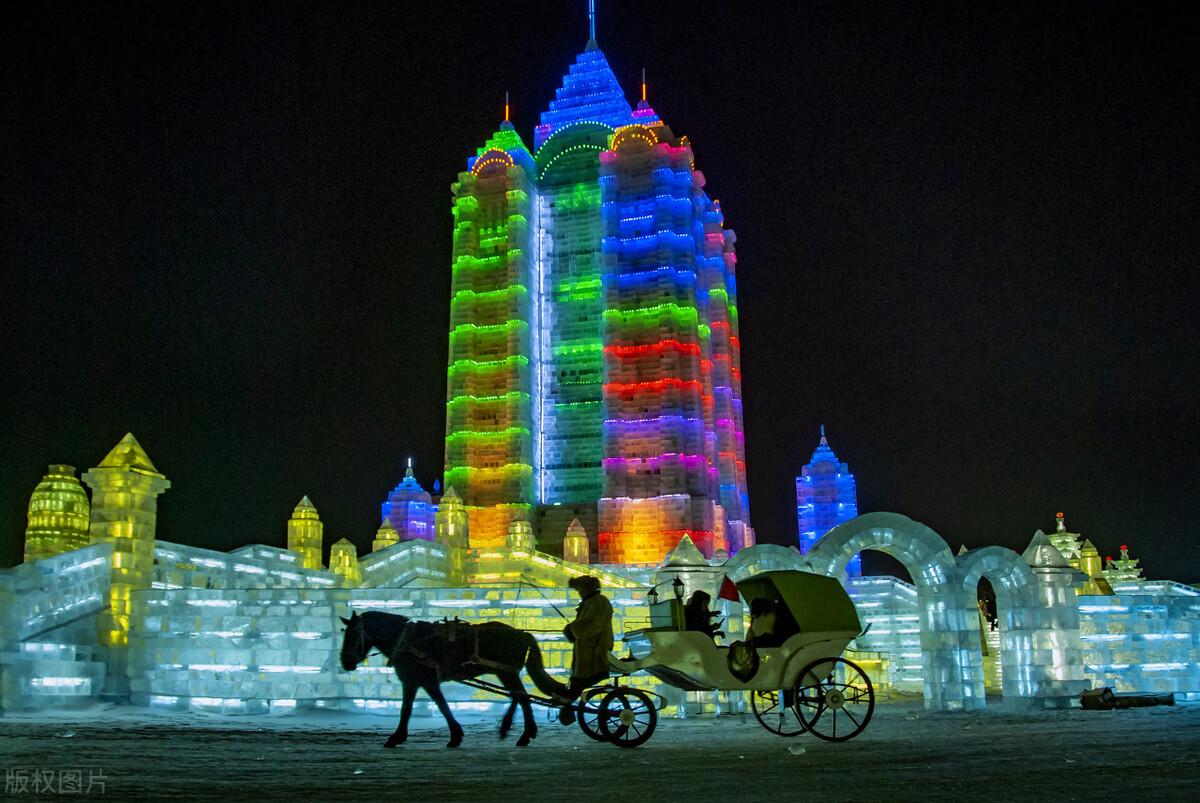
{"points": [[798, 684]]}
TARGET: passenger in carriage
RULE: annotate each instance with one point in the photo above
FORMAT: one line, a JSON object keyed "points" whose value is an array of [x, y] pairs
{"points": [[697, 616], [763, 622]]}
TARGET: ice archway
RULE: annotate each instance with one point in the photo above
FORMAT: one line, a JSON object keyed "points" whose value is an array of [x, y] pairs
{"points": [[948, 624]]}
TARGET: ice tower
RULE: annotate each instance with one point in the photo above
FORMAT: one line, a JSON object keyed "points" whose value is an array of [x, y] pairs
{"points": [[59, 515], [305, 534], [826, 496], [125, 488], [594, 353], [409, 508]]}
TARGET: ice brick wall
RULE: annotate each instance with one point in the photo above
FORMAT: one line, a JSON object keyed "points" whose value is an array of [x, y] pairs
{"points": [[1147, 638], [257, 650], [255, 566]]}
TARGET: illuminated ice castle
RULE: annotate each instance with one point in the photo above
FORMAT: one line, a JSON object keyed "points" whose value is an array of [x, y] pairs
{"points": [[594, 367], [594, 393]]}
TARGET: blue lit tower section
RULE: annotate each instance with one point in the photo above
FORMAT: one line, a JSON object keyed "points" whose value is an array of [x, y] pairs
{"points": [[825, 497], [572, 134], [409, 509], [489, 403]]}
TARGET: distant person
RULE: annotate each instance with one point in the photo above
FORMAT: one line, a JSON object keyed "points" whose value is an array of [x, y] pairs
{"points": [[592, 634], [697, 616]]}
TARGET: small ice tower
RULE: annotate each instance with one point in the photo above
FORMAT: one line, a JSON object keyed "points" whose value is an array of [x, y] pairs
{"points": [[343, 561], [409, 508], [520, 536], [125, 488], [1123, 570], [826, 496], [451, 531], [576, 548], [385, 536], [305, 535], [59, 515]]}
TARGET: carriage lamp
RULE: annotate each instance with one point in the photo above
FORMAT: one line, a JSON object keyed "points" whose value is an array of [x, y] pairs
{"points": [[652, 596], [677, 587]]}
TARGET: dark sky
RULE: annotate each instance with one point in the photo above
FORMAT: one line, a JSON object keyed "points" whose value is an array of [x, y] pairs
{"points": [[967, 238]]}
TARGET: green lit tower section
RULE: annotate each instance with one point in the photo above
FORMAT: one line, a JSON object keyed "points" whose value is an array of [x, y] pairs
{"points": [[489, 395], [572, 134]]}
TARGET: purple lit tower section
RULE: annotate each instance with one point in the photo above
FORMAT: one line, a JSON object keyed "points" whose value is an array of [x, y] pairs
{"points": [[825, 497], [409, 508]]}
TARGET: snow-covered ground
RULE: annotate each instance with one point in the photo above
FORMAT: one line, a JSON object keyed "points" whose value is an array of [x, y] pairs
{"points": [[905, 754]]}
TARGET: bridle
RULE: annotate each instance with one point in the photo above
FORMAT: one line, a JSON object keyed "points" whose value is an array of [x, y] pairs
{"points": [[362, 647]]}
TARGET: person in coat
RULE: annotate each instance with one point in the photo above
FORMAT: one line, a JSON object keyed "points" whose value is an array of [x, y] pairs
{"points": [[592, 634]]}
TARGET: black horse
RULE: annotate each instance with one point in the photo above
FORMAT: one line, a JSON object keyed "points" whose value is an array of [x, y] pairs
{"points": [[426, 653]]}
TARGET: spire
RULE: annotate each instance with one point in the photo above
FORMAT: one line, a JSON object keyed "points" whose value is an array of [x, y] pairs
{"points": [[506, 107], [128, 454], [823, 441], [408, 472], [823, 453], [643, 85], [1061, 526], [591, 22]]}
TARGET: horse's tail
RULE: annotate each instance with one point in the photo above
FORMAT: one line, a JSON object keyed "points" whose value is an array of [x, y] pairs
{"points": [[537, 672]]}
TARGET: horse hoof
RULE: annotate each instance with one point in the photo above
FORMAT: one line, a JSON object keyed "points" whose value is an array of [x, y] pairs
{"points": [[523, 741], [453, 743], [391, 743]]}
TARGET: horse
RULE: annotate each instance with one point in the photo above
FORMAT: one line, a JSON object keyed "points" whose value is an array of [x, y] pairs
{"points": [[423, 654]]}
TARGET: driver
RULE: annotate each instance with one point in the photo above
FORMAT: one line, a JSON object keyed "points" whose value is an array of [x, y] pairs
{"points": [[592, 634]]}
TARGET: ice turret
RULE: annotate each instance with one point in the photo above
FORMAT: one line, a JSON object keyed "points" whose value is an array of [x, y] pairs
{"points": [[409, 508], [343, 561], [305, 535], [59, 515], [576, 548], [385, 536], [125, 488]]}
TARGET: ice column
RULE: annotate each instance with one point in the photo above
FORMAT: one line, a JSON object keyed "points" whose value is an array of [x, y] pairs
{"points": [[125, 488]]}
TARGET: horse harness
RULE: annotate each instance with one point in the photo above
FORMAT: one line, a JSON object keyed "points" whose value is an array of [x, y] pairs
{"points": [[456, 655]]}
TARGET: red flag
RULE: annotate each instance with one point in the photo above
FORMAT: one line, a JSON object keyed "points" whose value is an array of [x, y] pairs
{"points": [[728, 590]]}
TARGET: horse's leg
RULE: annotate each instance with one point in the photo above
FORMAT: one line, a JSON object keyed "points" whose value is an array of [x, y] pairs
{"points": [[506, 723], [410, 692], [512, 682], [434, 690]]}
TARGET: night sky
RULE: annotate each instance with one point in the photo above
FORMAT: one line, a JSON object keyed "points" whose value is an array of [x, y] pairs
{"points": [[966, 236]]}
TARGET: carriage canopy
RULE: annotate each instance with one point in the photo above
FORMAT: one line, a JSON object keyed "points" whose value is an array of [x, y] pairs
{"points": [[817, 603]]}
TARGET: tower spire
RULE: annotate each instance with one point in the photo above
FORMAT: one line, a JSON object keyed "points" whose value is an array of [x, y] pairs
{"points": [[643, 85], [505, 116], [591, 20], [408, 472], [823, 441]]}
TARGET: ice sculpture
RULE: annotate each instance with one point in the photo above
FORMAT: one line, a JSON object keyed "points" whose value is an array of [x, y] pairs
{"points": [[125, 488], [305, 534], [594, 351], [59, 515], [343, 561], [409, 508], [825, 497]]}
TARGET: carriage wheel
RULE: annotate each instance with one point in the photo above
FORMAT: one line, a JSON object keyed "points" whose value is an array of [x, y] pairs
{"points": [[591, 712], [627, 717], [774, 711], [837, 704]]}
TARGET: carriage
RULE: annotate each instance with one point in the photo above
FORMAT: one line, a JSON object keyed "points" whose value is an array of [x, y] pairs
{"points": [[796, 678], [801, 685]]}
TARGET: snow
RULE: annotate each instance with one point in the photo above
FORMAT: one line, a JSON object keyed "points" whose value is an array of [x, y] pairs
{"points": [[905, 754]]}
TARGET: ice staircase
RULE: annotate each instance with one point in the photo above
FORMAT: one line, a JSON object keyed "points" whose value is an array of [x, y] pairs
{"points": [[48, 652]]}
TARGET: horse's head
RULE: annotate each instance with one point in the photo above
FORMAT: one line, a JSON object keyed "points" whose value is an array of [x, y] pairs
{"points": [[354, 642]]}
